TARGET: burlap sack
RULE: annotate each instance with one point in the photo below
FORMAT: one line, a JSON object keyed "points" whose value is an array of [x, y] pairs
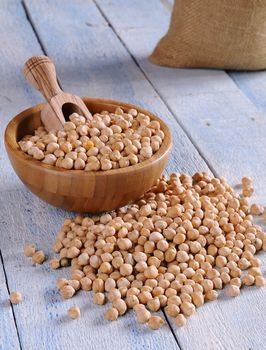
{"points": [[227, 34]]}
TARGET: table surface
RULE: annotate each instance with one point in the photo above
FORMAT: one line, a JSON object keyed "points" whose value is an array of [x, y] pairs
{"points": [[218, 121]]}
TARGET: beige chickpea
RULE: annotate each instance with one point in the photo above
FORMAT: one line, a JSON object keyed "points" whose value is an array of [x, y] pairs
{"points": [[172, 310], [126, 269], [120, 305], [211, 295], [29, 250], [180, 320], [25, 145], [155, 322], [260, 281], [37, 153], [187, 308], [182, 256], [248, 191], [99, 298], [197, 298], [143, 315], [15, 297], [75, 284], [98, 285], [49, 159], [67, 291], [154, 304], [233, 291], [151, 272], [133, 300], [74, 312], [255, 209], [248, 280], [54, 264], [86, 283], [111, 314], [113, 295], [72, 252], [67, 163], [79, 164], [38, 257]]}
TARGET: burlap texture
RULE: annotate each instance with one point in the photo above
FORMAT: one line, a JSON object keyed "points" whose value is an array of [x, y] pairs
{"points": [[227, 34]]}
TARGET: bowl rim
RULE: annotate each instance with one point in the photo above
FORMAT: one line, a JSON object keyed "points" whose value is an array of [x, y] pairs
{"points": [[12, 144]]}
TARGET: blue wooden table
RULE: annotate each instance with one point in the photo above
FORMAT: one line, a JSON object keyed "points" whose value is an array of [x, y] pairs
{"points": [[218, 121]]}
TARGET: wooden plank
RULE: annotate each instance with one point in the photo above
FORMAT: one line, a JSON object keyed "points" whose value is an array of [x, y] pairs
{"points": [[230, 134], [8, 332], [27, 219], [253, 85]]}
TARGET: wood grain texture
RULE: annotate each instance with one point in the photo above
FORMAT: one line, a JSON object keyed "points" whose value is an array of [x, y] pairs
{"points": [[8, 332], [79, 190], [230, 133], [253, 85], [109, 72]]}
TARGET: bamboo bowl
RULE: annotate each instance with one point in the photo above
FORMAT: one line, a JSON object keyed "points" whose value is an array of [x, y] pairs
{"points": [[78, 190]]}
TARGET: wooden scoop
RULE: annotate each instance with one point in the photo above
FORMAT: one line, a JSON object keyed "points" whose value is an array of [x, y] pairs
{"points": [[40, 72]]}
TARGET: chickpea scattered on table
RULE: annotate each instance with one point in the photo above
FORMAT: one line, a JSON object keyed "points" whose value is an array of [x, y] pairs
{"points": [[173, 249]]}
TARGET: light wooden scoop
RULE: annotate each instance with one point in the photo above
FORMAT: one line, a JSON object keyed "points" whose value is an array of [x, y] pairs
{"points": [[40, 72]]}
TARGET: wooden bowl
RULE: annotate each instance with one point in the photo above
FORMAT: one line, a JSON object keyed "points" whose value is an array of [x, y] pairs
{"points": [[78, 190]]}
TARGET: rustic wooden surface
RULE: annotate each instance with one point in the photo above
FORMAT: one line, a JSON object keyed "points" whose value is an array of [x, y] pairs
{"points": [[218, 123]]}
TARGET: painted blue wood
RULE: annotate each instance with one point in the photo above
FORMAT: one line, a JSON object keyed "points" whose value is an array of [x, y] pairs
{"points": [[8, 333], [230, 134], [95, 63], [253, 85]]}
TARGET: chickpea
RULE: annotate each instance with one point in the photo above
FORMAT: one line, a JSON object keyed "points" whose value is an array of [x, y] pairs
{"points": [[38, 257], [143, 315], [180, 320], [111, 314], [86, 283], [29, 250], [54, 264], [233, 291], [172, 310], [260, 281], [155, 322], [113, 295], [74, 312], [67, 292], [15, 297], [120, 305], [187, 308], [248, 280]]}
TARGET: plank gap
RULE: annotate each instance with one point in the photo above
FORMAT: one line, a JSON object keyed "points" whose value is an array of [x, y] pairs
{"points": [[29, 19], [12, 307], [172, 330]]}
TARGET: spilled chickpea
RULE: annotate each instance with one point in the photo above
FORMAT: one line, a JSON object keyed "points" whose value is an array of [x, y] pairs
{"points": [[172, 250]]}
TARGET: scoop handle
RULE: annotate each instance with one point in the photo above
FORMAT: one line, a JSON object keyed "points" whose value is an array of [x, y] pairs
{"points": [[40, 72]]}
